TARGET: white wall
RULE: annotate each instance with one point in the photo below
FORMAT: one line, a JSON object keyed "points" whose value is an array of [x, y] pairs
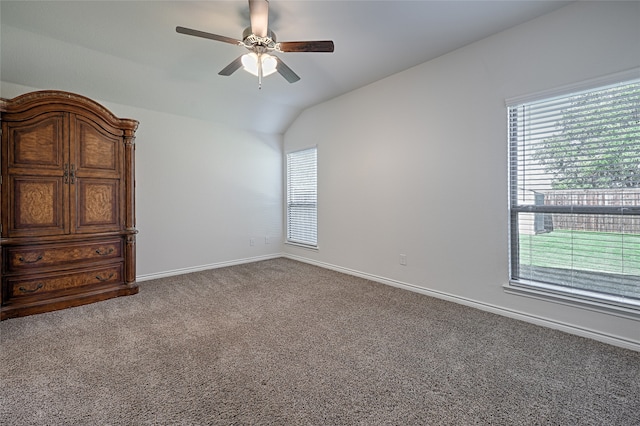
{"points": [[202, 191], [416, 164]]}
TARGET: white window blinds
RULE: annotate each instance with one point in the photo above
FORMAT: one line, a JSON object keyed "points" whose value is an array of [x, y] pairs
{"points": [[302, 213], [575, 192]]}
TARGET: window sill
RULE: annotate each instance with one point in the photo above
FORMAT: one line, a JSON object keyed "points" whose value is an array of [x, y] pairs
{"points": [[611, 305], [304, 246]]}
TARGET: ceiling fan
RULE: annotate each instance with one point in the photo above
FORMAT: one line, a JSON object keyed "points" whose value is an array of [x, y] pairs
{"points": [[261, 42]]}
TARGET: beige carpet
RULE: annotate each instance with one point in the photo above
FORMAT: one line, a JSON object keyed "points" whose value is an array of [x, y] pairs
{"points": [[284, 343]]}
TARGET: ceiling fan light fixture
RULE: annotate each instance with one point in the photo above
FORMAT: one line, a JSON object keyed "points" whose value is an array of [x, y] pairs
{"points": [[250, 63]]}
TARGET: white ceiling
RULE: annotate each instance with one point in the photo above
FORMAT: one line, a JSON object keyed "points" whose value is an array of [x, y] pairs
{"points": [[128, 52]]}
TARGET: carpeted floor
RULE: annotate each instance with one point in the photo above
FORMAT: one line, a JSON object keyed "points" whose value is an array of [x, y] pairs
{"points": [[285, 343]]}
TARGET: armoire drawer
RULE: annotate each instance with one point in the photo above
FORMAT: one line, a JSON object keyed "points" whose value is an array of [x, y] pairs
{"points": [[46, 256], [46, 283]]}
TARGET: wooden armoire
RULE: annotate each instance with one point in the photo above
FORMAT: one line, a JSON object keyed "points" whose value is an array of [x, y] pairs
{"points": [[68, 233]]}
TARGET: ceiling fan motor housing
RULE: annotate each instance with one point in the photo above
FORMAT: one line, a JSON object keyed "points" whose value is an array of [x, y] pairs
{"points": [[250, 39]]}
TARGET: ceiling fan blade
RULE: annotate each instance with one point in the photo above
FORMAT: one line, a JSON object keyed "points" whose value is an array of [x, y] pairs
{"points": [[189, 31], [232, 67], [306, 46], [259, 11], [286, 72]]}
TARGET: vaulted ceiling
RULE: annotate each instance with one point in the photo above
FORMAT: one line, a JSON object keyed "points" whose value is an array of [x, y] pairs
{"points": [[128, 52]]}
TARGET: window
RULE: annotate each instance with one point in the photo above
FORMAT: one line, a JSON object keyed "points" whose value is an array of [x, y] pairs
{"points": [[302, 195], [575, 195]]}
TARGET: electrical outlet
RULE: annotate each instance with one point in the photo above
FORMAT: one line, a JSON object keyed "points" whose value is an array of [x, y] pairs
{"points": [[403, 259], [252, 242]]}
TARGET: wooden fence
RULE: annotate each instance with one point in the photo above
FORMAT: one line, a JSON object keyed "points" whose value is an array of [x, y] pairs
{"points": [[595, 197]]}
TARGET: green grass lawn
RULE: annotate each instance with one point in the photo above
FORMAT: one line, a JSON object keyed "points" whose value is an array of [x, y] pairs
{"points": [[588, 251]]}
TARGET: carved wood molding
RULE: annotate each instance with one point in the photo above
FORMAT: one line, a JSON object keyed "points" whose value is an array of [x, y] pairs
{"points": [[68, 101]]}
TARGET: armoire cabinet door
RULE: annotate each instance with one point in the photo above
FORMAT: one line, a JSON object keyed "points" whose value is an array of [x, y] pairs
{"points": [[39, 143], [37, 206], [96, 153], [37, 189], [97, 206]]}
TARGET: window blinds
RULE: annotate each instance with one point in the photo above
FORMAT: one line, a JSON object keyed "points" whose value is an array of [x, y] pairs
{"points": [[575, 191], [302, 215]]}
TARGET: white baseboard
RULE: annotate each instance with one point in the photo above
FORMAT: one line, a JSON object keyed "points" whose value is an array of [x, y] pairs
{"points": [[544, 322], [174, 272]]}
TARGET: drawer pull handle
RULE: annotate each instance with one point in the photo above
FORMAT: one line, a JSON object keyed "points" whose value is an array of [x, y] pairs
{"points": [[26, 290], [99, 278], [102, 252], [23, 260]]}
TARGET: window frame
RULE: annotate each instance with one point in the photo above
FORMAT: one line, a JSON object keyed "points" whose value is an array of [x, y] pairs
{"points": [[590, 300], [313, 245]]}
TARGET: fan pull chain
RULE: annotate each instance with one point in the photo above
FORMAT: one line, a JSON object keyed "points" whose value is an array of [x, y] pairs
{"points": [[259, 71]]}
